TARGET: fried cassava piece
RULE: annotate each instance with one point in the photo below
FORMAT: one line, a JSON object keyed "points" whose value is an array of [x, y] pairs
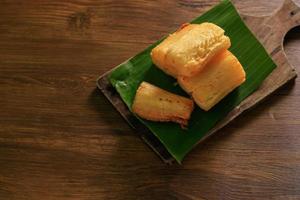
{"points": [[221, 76], [156, 104], [189, 49]]}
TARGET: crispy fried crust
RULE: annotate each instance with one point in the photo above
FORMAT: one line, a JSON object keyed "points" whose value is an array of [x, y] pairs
{"points": [[188, 50], [153, 103], [221, 75]]}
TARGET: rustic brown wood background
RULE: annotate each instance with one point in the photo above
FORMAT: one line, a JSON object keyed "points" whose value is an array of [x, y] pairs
{"points": [[61, 139]]}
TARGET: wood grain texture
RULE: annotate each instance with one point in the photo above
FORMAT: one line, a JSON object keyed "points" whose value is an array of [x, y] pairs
{"points": [[61, 139]]}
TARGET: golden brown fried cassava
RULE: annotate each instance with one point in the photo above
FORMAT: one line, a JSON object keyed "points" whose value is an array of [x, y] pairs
{"points": [[221, 75], [188, 50], [156, 104]]}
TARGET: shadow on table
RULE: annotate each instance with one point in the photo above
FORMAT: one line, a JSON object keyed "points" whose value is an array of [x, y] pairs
{"points": [[244, 119], [131, 169]]}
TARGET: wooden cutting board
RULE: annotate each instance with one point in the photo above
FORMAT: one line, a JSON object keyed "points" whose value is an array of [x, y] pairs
{"points": [[270, 30]]}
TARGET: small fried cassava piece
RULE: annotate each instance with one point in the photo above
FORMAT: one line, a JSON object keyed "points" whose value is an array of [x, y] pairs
{"points": [[156, 104], [189, 49], [221, 76]]}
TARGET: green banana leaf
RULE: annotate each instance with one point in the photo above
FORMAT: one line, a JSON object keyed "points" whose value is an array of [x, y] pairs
{"points": [[257, 63]]}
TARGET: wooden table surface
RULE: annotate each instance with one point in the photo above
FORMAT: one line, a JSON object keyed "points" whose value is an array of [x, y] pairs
{"points": [[61, 139]]}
